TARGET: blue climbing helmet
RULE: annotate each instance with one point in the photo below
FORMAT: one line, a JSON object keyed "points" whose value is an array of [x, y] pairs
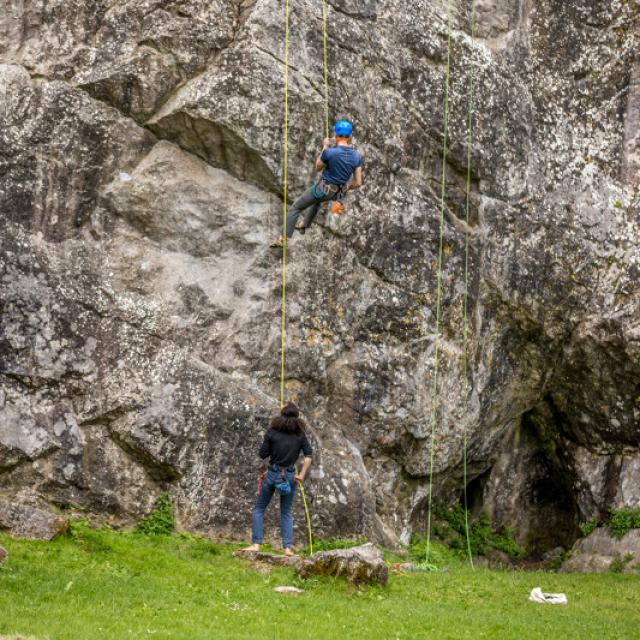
{"points": [[343, 129]]}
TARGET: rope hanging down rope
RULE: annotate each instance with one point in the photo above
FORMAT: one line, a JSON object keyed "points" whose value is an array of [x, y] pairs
{"points": [[285, 163], [465, 321], [436, 355], [465, 358], [326, 68], [326, 131]]}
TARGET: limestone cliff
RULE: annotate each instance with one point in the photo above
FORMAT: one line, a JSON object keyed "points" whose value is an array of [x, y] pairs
{"points": [[141, 181]]}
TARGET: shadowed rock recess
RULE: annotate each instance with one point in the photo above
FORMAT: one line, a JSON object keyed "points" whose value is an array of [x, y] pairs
{"points": [[140, 182]]}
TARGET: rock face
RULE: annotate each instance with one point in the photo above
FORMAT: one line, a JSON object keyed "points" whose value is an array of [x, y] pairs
{"points": [[140, 184], [600, 552], [24, 521], [359, 565]]}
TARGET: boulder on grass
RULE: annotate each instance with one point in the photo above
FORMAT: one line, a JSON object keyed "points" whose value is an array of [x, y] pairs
{"points": [[25, 521], [359, 565], [3, 555]]}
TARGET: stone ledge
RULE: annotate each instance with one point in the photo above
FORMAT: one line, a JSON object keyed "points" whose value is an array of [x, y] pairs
{"points": [[268, 558], [599, 550]]}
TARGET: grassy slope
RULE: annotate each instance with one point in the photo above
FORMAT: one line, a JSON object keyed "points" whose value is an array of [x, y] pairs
{"points": [[104, 585]]}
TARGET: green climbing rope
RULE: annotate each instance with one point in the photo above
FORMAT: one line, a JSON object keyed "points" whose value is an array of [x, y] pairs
{"points": [[465, 357], [436, 356], [465, 321]]}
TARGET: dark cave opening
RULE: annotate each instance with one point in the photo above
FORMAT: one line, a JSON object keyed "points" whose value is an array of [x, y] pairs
{"points": [[475, 494], [530, 487], [552, 510]]}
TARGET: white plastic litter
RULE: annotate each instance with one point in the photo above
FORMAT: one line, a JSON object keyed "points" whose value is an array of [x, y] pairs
{"points": [[291, 590], [537, 595]]}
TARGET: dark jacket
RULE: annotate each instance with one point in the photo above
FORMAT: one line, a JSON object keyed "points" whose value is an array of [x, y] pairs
{"points": [[283, 448]]}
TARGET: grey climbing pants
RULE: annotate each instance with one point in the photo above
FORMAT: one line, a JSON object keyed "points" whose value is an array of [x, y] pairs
{"points": [[311, 204]]}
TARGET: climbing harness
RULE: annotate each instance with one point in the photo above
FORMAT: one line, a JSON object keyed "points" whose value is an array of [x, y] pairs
{"points": [[322, 189], [434, 388]]}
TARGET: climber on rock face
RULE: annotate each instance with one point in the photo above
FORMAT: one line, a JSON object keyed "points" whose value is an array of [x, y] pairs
{"points": [[341, 165], [282, 445]]}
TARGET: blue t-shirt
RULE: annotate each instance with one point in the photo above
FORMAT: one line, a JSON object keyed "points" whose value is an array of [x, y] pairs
{"points": [[340, 163]]}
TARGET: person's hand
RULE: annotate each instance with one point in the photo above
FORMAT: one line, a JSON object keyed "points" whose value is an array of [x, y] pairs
{"points": [[299, 479], [327, 142]]}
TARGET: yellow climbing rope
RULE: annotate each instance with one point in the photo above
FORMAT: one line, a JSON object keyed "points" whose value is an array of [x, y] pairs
{"points": [[465, 321], [306, 513], [285, 162], [326, 68], [436, 355], [285, 170], [465, 358]]}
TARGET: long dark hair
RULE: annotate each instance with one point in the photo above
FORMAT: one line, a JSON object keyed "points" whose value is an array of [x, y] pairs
{"points": [[289, 420]]}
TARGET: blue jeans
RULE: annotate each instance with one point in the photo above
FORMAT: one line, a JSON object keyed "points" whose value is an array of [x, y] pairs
{"points": [[286, 504]]}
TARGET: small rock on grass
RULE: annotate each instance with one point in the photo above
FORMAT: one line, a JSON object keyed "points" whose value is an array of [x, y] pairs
{"points": [[270, 558], [291, 590], [3, 555]]}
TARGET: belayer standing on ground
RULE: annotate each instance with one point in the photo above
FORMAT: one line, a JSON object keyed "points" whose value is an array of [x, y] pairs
{"points": [[342, 171], [279, 452]]}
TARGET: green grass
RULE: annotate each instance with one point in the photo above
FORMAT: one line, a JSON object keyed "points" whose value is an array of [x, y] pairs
{"points": [[450, 527], [107, 585], [335, 543], [161, 520]]}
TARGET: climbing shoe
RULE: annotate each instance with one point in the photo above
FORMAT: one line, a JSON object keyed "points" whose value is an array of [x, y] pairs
{"points": [[300, 228], [277, 244]]}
